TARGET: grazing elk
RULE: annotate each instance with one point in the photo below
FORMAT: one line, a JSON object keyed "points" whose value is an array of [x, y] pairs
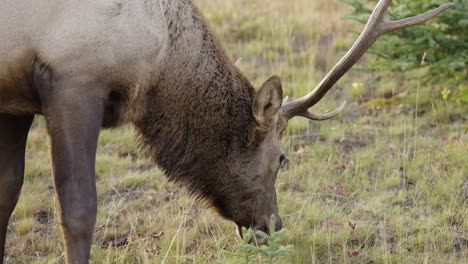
{"points": [[85, 65]]}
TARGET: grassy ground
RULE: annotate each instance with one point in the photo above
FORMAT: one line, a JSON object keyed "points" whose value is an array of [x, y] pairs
{"points": [[385, 182]]}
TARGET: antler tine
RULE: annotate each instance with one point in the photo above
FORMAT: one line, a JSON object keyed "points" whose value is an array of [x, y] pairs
{"points": [[411, 21], [326, 116], [378, 24]]}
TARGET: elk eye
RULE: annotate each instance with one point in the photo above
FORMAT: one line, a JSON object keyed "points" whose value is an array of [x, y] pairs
{"points": [[283, 160]]}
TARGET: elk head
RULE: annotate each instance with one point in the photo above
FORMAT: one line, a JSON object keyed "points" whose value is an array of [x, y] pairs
{"points": [[260, 161], [264, 159]]}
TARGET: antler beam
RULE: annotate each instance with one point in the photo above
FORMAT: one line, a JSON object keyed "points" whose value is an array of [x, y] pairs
{"points": [[378, 24]]}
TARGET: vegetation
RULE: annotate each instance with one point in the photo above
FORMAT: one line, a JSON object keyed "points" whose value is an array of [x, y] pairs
{"points": [[384, 182], [439, 47], [271, 252]]}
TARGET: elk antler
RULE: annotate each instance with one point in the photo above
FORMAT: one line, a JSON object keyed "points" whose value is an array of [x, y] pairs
{"points": [[378, 24]]}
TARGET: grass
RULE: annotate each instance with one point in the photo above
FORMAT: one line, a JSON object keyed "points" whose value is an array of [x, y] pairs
{"points": [[385, 182]]}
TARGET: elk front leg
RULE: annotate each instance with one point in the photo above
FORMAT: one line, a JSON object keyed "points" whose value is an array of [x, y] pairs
{"points": [[13, 134], [74, 118]]}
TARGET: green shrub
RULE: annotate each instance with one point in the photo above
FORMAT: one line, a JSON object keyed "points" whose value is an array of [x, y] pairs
{"points": [[439, 46], [248, 252]]}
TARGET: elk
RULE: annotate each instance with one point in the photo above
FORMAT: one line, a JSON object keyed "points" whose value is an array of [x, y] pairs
{"points": [[87, 65]]}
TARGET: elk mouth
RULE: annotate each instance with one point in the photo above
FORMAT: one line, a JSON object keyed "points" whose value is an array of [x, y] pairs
{"points": [[256, 239]]}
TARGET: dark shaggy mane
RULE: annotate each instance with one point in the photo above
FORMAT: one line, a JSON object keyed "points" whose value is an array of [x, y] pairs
{"points": [[198, 113]]}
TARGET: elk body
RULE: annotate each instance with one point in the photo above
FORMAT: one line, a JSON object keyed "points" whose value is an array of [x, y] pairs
{"points": [[85, 65]]}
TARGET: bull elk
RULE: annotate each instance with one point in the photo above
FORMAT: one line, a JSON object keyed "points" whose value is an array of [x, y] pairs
{"points": [[85, 65]]}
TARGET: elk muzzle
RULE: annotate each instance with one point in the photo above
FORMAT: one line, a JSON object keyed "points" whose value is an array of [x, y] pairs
{"points": [[263, 227]]}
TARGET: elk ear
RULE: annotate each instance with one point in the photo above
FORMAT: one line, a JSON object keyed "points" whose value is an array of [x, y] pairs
{"points": [[267, 103]]}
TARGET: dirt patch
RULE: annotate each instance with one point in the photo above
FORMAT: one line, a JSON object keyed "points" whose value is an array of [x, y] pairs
{"points": [[41, 216], [346, 145], [115, 241]]}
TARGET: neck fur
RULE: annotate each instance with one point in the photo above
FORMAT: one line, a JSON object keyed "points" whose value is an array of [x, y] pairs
{"points": [[200, 109]]}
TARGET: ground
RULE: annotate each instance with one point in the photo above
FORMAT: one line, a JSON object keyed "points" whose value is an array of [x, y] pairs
{"points": [[384, 182]]}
